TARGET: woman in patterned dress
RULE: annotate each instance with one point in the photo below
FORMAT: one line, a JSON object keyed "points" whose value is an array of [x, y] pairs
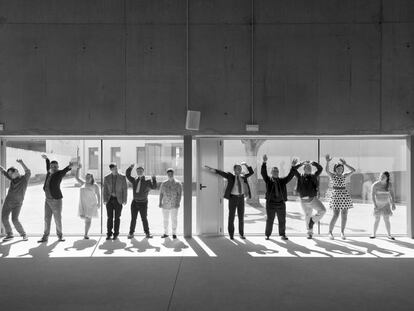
{"points": [[383, 199], [89, 199], [339, 198]]}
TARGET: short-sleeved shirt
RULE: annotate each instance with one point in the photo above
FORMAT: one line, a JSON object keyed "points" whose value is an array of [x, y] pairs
{"points": [[18, 188], [171, 191]]}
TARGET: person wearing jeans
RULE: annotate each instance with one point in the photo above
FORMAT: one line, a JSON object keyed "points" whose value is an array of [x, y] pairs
{"points": [[140, 189], [170, 198], [276, 197], [53, 202], [14, 199], [115, 195], [307, 187]]}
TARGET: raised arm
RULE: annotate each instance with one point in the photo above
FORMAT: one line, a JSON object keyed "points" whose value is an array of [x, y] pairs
{"points": [[47, 162], [328, 160], [66, 169], [128, 173], [319, 168], [351, 169], [296, 167], [77, 175], [263, 170], [291, 172], [4, 172], [249, 169]]}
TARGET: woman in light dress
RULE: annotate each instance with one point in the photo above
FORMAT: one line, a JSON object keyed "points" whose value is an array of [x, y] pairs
{"points": [[383, 199], [89, 199], [339, 197]]}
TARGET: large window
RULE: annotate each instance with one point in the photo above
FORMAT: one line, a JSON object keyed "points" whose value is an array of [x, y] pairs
{"points": [[368, 156], [93, 158]]}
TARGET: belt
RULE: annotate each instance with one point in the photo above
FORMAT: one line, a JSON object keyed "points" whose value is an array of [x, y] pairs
{"points": [[339, 188], [237, 195]]}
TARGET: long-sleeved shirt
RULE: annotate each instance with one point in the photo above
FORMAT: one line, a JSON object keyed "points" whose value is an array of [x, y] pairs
{"points": [[276, 187], [307, 185], [17, 187], [52, 181], [143, 185]]}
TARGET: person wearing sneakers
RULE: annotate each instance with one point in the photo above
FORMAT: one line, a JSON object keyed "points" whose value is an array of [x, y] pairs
{"points": [[339, 197], [53, 202], [307, 187], [170, 198], [276, 197], [140, 188], [14, 199]]}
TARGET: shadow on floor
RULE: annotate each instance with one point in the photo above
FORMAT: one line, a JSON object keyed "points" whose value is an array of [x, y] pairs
{"points": [[110, 246], [5, 248], [175, 244], [337, 249], [81, 245], [371, 248], [141, 246], [42, 251], [294, 248], [250, 247]]}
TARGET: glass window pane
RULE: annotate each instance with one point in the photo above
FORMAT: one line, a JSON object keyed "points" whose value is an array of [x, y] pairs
{"points": [[369, 157]]}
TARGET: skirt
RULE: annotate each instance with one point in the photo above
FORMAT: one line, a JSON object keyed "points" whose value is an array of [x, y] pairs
{"points": [[339, 199]]}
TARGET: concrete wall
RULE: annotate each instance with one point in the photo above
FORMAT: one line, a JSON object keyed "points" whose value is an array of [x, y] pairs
{"points": [[120, 67]]}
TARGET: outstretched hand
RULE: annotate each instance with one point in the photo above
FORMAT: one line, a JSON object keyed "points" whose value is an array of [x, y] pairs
{"points": [[342, 161], [264, 158], [328, 158], [294, 162], [44, 156], [20, 161], [132, 165], [70, 164]]}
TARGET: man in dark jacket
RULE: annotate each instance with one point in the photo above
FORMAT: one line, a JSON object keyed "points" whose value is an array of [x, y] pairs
{"points": [[307, 188], [53, 202], [276, 196], [236, 190], [140, 189]]}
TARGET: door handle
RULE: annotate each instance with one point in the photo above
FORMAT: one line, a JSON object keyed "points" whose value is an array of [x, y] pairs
{"points": [[201, 186]]}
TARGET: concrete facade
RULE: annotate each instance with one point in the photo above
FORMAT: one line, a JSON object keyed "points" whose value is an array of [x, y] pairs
{"points": [[127, 67]]}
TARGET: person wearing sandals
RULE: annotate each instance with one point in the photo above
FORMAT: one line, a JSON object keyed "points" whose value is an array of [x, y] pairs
{"points": [[307, 187], [339, 198], [14, 199], [89, 199], [384, 203]]}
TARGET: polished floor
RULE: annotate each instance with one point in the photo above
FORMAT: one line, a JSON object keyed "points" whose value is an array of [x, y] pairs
{"points": [[207, 273]]}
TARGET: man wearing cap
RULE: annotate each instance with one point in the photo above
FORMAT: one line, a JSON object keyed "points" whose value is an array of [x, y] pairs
{"points": [[236, 190], [170, 197], [140, 189], [114, 195]]}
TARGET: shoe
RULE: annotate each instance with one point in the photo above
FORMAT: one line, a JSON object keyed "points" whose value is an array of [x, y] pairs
{"points": [[115, 238], [42, 240], [164, 236], [372, 237], [86, 237], [130, 236], [390, 237], [343, 237], [108, 237], [148, 236], [309, 237], [267, 237], [25, 238], [331, 237], [8, 238], [284, 237], [242, 237], [174, 236], [311, 223], [61, 239], [231, 237]]}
